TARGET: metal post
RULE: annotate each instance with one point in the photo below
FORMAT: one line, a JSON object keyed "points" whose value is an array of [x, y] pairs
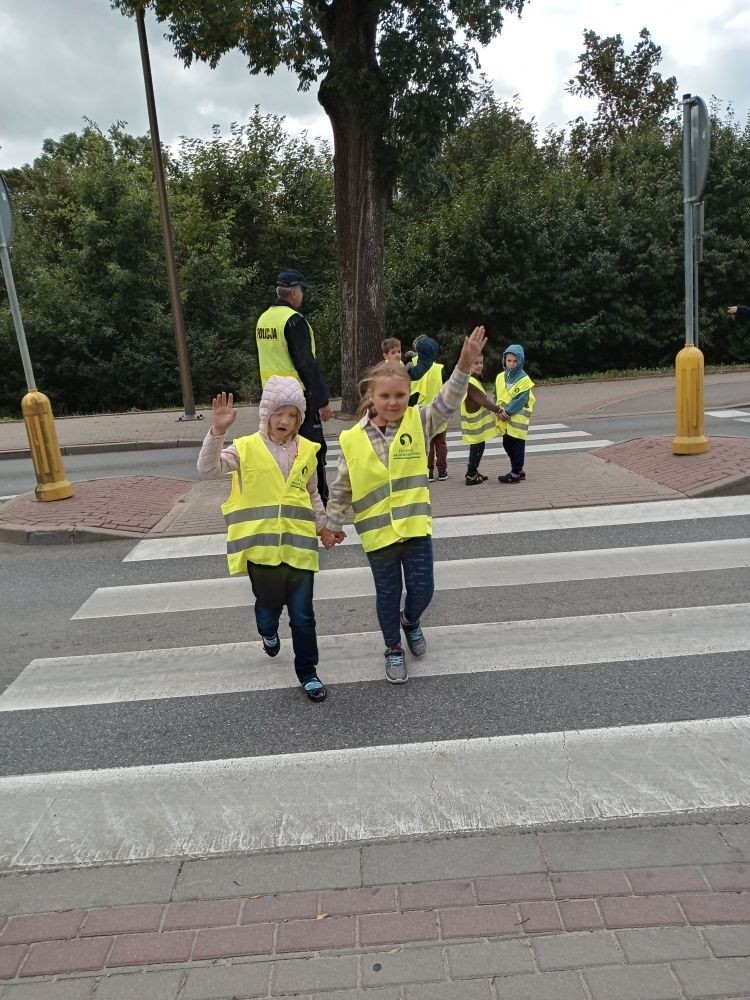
{"points": [[15, 311], [687, 208], [166, 226]]}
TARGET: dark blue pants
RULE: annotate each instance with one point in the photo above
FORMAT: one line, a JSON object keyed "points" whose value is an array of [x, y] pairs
{"points": [[276, 586], [409, 563], [515, 449]]}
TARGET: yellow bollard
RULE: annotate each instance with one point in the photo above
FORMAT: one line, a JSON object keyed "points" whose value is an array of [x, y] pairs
{"points": [[45, 451], [689, 426]]}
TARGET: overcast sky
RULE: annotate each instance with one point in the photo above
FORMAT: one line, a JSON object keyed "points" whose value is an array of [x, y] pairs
{"points": [[65, 60]]}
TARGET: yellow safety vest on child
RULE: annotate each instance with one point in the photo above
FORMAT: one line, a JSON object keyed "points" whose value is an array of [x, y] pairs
{"points": [[273, 351], [390, 503], [429, 385], [518, 423], [480, 425], [270, 521]]}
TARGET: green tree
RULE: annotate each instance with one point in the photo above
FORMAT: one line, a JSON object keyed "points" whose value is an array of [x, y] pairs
{"points": [[393, 79]]}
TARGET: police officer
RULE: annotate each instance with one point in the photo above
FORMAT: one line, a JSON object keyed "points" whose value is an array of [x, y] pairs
{"points": [[286, 346]]}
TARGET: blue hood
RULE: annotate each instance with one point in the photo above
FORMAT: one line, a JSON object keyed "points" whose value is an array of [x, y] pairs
{"points": [[514, 376]]}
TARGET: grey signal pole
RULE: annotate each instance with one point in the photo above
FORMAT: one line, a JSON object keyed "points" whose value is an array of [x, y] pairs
{"points": [[178, 321]]}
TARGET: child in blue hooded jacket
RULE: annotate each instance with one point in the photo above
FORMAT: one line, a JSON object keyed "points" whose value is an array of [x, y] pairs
{"points": [[514, 396]]}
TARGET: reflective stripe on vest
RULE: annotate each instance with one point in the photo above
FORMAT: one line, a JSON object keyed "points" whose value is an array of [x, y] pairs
{"points": [[429, 385], [478, 426], [273, 351], [517, 424], [391, 503], [282, 531]]}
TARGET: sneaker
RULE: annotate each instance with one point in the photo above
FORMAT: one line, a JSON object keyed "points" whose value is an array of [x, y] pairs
{"points": [[315, 690], [395, 666], [522, 475], [442, 476], [509, 477], [271, 644], [430, 476], [415, 639], [475, 479]]}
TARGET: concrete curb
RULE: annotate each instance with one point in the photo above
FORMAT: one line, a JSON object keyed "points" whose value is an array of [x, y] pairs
{"points": [[108, 447], [24, 534]]}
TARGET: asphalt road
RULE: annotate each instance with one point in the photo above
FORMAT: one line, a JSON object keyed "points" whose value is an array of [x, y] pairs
{"points": [[43, 587]]}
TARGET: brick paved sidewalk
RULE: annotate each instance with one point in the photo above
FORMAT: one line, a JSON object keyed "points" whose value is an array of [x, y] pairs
{"points": [[663, 932]]}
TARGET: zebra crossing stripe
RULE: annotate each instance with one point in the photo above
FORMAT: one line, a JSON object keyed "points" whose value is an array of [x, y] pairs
{"points": [[143, 675], [473, 525], [495, 571], [208, 808]]}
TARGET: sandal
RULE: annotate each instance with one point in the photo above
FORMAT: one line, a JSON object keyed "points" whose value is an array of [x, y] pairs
{"points": [[315, 690]]}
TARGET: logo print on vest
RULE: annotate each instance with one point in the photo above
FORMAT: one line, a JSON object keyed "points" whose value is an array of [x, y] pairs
{"points": [[404, 440], [305, 470]]}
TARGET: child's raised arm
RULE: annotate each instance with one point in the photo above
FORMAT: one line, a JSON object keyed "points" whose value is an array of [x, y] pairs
{"points": [[224, 413]]}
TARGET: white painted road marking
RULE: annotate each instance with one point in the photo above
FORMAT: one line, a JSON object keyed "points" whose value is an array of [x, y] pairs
{"points": [[495, 571], [105, 678], [206, 808], [473, 525]]}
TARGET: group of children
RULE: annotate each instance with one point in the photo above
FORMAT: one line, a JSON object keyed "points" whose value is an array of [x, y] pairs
{"points": [[274, 514]]}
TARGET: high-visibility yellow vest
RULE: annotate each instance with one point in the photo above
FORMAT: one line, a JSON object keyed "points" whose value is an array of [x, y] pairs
{"points": [[270, 521], [480, 425], [518, 424], [429, 385], [273, 351], [391, 503]]}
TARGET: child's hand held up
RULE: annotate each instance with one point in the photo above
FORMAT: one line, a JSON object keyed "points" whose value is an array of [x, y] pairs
{"points": [[472, 349], [224, 413]]}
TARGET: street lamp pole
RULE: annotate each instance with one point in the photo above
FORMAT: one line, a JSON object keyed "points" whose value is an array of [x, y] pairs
{"points": [[166, 227]]}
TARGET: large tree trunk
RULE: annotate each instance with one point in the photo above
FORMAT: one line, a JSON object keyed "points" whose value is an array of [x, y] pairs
{"points": [[361, 198]]}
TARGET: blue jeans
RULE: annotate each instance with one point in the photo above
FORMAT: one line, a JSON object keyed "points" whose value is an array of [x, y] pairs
{"points": [[413, 559], [276, 586]]}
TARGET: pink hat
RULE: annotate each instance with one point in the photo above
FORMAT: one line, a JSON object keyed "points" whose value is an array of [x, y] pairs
{"points": [[280, 390]]}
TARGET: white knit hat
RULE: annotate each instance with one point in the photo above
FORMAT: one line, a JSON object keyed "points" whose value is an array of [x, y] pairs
{"points": [[280, 390]]}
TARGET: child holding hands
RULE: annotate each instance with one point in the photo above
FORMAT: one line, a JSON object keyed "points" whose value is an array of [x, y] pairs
{"points": [[382, 476], [274, 514]]}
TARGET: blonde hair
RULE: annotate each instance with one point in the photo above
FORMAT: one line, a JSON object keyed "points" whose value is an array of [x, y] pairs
{"points": [[383, 369]]}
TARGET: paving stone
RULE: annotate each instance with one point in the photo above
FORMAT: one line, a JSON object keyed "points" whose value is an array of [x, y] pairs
{"points": [[539, 917], [269, 873], [489, 958], [728, 876], [385, 993], [330, 973], [580, 914], [42, 927], [573, 885], [717, 907], [661, 944], [457, 858], [214, 982], [10, 959], [637, 847], [204, 913], [475, 989], [231, 942], [288, 906], [547, 986], [728, 942], [48, 958], [632, 982], [738, 837], [311, 935], [398, 928], [718, 977], [122, 919], [83, 887], [423, 895], [366, 900], [163, 985], [640, 911], [150, 948], [60, 989], [513, 888], [410, 965], [676, 879], [479, 921], [574, 951]]}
